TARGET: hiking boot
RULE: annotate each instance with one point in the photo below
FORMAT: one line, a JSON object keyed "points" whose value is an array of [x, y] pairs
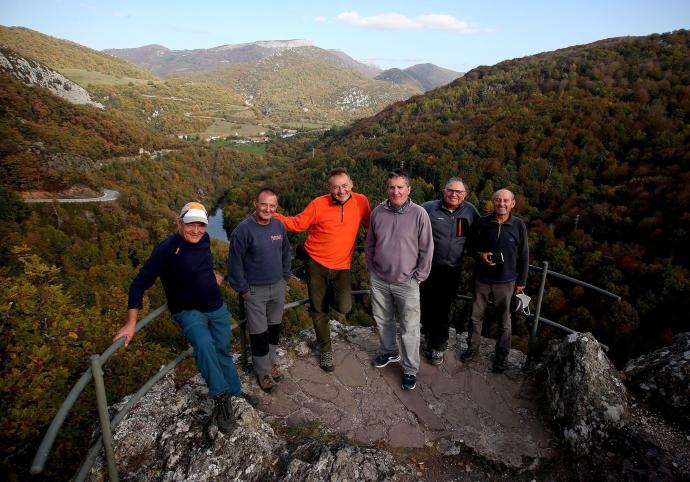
{"points": [[470, 355], [500, 365], [276, 374], [436, 357], [385, 358], [409, 381], [326, 361], [266, 382], [250, 399], [223, 415]]}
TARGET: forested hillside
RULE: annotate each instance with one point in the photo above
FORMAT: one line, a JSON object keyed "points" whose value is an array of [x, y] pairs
{"points": [[45, 141], [595, 142], [63, 54]]}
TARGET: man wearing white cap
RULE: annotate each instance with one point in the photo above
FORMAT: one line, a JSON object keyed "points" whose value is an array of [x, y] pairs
{"points": [[184, 264]]}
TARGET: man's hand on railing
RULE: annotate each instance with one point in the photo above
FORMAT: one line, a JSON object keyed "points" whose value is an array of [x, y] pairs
{"points": [[127, 331]]}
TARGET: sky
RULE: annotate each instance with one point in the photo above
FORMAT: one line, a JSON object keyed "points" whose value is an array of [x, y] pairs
{"points": [[454, 34]]}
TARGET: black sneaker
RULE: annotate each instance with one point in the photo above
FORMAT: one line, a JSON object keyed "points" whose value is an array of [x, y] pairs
{"points": [[469, 355], [223, 414], [409, 381], [385, 358]]}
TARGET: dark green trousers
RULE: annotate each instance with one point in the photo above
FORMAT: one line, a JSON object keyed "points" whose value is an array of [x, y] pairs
{"points": [[327, 288]]}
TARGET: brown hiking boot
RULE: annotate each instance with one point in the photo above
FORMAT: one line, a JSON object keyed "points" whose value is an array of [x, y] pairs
{"points": [[276, 374], [266, 382], [326, 361]]}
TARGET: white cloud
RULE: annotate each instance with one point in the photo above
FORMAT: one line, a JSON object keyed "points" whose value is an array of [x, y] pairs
{"points": [[395, 21], [445, 22], [320, 19]]}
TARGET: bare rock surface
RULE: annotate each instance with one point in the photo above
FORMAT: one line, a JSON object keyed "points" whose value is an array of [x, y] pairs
{"points": [[169, 436], [455, 406], [662, 379], [611, 438], [31, 72]]}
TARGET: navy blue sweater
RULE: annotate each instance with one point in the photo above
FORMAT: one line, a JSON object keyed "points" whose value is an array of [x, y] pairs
{"points": [[186, 271], [509, 238], [259, 254]]}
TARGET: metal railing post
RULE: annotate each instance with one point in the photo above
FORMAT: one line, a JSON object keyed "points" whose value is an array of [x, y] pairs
{"points": [[102, 403], [537, 311]]}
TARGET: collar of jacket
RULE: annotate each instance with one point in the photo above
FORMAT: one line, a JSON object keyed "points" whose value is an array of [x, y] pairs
{"points": [[337, 202], [507, 221], [399, 210]]}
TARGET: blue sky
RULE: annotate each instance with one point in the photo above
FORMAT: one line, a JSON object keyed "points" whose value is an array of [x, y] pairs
{"points": [[459, 34]]}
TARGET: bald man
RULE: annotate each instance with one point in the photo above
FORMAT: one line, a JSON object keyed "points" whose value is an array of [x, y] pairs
{"points": [[499, 242]]}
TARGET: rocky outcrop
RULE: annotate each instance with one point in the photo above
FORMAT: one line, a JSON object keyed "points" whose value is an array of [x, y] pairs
{"points": [[34, 73], [169, 436], [609, 436], [662, 379]]}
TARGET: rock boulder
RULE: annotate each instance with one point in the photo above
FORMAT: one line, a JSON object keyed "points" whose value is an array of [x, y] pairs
{"points": [[662, 379], [599, 422]]}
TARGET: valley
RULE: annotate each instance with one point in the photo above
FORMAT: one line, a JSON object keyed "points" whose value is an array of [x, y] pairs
{"points": [[593, 139]]}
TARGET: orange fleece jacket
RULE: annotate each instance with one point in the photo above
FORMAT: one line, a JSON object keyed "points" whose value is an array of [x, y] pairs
{"points": [[332, 228]]}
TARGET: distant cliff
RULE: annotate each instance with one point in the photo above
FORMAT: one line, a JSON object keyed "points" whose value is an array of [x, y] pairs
{"points": [[34, 73]]}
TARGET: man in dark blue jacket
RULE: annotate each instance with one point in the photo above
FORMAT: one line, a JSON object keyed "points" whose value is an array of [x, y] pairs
{"points": [[451, 220], [258, 269], [184, 264], [500, 244]]}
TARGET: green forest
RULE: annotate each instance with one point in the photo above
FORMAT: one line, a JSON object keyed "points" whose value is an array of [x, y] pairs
{"points": [[592, 139]]}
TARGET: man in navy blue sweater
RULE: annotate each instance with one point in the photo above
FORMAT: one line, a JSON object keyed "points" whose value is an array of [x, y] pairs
{"points": [[184, 264], [499, 241], [258, 269]]}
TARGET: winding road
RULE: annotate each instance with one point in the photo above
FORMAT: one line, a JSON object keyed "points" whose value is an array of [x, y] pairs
{"points": [[109, 195]]}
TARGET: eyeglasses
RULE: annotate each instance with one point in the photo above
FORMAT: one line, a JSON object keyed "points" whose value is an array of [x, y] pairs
{"points": [[455, 191]]}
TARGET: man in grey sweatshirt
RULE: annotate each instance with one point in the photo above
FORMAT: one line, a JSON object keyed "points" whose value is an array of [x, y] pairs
{"points": [[258, 269], [399, 249]]}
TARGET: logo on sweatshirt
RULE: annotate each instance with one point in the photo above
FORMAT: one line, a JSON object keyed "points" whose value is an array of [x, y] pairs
{"points": [[276, 237]]}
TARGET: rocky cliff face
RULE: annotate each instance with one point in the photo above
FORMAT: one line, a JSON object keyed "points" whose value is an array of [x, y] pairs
{"points": [[611, 438], [662, 379], [36, 74], [168, 436]]}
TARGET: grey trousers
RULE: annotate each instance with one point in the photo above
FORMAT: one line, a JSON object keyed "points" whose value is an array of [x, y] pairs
{"points": [[403, 298], [264, 309], [501, 294]]}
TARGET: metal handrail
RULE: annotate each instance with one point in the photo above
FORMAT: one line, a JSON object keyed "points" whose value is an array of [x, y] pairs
{"points": [[49, 438], [99, 360]]}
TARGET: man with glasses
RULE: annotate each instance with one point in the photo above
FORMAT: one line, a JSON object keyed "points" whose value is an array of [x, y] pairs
{"points": [[184, 264], [451, 220], [333, 221]]}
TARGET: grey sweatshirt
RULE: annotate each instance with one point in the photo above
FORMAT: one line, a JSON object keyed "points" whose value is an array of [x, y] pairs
{"points": [[259, 254], [399, 243]]}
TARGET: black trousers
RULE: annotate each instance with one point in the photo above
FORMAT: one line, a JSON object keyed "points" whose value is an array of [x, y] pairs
{"points": [[437, 293]]}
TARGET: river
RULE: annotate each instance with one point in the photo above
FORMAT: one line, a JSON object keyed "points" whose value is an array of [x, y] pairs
{"points": [[215, 225]]}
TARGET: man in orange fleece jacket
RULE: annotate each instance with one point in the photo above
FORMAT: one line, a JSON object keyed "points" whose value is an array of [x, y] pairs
{"points": [[333, 221]]}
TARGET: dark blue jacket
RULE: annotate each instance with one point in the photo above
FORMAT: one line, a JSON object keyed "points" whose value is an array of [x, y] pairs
{"points": [[509, 238], [450, 230], [186, 271], [259, 254]]}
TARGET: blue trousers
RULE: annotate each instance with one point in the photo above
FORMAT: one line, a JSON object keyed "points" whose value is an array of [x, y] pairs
{"points": [[209, 335]]}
